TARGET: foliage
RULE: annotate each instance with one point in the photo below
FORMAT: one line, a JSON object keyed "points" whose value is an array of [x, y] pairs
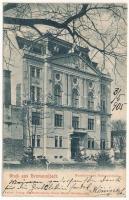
{"points": [[103, 159], [118, 125]]}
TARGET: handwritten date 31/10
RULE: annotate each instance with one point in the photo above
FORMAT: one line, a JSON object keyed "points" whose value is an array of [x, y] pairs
{"points": [[116, 102]]}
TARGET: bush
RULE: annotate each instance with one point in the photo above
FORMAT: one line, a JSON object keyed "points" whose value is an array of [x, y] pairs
{"points": [[123, 163], [103, 159]]}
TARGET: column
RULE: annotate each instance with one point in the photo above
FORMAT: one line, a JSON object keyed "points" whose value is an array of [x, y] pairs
{"points": [[45, 107], [64, 88], [69, 90]]}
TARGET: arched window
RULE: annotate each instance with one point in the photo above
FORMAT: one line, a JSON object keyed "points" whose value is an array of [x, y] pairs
{"points": [[90, 101], [58, 94], [75, 98]]}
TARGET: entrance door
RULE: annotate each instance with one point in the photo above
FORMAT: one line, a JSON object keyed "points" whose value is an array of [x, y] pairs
{"points": [[74, 147]]}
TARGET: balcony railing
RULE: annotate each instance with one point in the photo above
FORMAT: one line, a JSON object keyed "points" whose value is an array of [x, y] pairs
{"points": [[80, 130], [35, 80]]}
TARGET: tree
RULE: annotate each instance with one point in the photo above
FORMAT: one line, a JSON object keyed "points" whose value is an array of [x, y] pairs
{"points": [[101, 27], [118, 125], [119, 136]]}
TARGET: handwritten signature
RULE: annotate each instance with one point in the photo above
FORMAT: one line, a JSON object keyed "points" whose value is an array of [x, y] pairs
{"points": [[100, 185], [116, 102]]}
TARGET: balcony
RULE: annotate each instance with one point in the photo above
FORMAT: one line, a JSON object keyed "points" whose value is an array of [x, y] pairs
{"points": [[80, 130], [35, 80]]}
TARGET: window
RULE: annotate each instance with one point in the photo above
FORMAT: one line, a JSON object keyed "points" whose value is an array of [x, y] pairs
{"points": [[75, 80], [43, 49], [90, 101], [56, 157], [35, 118], [58, 95], [90, 124], [58, 120], [38, 140], [75, 98], [35, 72], [38, 93], [103, 105], [90, 143], [112, 141], [32, 71], [58, 141], [102, 144], [103, 125], [38, 73], [58, 77], [18, 94], [75, 122], [90, 84], [103, 90], [32, 93], [33, 140], [35, 49]]}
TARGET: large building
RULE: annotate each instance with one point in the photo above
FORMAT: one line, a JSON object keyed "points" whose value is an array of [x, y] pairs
{"points": [[64, 97]]}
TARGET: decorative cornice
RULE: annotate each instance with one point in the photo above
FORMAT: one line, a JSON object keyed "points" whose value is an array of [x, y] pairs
{"points": [[33, 56], [81, 109], [75, 72], [75, 55], [104, 77]]}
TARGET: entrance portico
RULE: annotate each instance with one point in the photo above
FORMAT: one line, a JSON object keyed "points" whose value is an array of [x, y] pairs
{"points": [[78, 142]]}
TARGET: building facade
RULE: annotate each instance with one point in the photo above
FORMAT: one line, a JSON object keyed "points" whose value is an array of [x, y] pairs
{"points": [[65, 99], [13, 147]]}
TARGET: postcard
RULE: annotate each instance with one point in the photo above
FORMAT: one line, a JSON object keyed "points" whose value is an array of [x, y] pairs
{"points": [[64, 99]]}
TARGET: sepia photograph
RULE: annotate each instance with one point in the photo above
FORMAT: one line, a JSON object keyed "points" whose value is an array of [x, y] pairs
{"points": [[64, 99]]}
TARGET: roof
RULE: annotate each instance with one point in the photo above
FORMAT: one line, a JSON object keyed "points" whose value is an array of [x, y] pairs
{"points": [[21, 41], [51, 36], [51, 39]]}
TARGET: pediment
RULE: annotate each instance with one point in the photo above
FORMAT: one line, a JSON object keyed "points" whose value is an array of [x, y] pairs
{"points": [[75, 62]]}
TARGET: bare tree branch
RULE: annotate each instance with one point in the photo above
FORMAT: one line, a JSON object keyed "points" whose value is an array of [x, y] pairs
{"points": [[9, 6], [82, 22], [32, 22], [78, 15]]}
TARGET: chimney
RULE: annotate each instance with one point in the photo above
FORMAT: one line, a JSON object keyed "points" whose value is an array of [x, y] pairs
{"points": [[7, 87]]}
